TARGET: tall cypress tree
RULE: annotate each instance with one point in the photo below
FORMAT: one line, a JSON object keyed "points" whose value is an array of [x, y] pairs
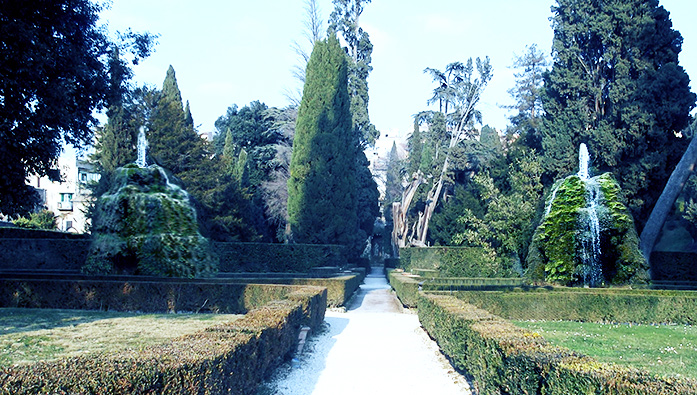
{"points": [[617, 86], [322, 189]]}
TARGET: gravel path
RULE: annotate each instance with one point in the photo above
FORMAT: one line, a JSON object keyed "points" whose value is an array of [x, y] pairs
{"points": [[373, 348]]}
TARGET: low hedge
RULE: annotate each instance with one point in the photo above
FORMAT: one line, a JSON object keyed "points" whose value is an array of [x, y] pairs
{"points": [[229, 358], [149, 295], [339, 288], [264, 257], [505, 359], [592, 305], [406, 288], [471, 283]]}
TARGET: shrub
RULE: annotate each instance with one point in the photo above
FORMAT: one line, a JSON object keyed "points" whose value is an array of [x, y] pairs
{"points": [[260, 257], [593, 305], [228, 358], [407, 288], [139, 294], [455, 261], [505, 359]]}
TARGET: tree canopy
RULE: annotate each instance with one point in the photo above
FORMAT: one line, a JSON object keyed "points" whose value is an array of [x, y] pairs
{"points": [[616, 85], [54, 75], [322, 189]]}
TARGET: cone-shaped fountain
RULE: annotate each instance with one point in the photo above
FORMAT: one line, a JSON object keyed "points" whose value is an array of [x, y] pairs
{"points": [[587, 235], [146, 225]]}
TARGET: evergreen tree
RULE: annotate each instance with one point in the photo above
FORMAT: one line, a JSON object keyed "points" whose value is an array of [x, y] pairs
{"points": [[344, 20], [527, 94], [415, 148], [322, 189], [617, 86]]}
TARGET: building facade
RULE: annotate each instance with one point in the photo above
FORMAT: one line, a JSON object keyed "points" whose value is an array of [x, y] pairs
{"points": [[69, 198]]}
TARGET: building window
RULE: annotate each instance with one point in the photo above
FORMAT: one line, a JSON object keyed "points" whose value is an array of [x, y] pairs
{"points": [[66, 202]]}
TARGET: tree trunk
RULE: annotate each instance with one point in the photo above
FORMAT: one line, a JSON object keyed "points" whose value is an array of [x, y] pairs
{"points": [[400, 225], [665, 202]]}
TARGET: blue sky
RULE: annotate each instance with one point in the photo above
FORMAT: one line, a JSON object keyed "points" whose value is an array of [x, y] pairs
{"points": [[233, 52]]}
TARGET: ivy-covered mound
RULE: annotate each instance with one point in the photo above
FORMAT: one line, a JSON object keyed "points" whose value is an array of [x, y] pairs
{"points": [[145, 225], [555, 252]]}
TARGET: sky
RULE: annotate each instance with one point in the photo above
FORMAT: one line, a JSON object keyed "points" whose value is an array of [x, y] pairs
{"points": [[235, 52]]}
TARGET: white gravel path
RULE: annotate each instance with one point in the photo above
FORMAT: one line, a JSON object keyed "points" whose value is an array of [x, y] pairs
{"points": [[373, 348]]}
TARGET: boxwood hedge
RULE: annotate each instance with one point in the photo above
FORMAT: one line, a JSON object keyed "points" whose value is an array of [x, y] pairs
{"points": [[228, 358], [505, 359]]}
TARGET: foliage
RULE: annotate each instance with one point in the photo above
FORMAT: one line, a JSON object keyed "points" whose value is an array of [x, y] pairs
{"points": [[640, 306], [145, 225], [406, 288], [55, 73], [471, 261], [616, 85], [44, 219], [481, 215], [344, 20], [527, 94], [262, 257], [503, 358], [558, 232], [556, 243], [323, 185], [232, 357]]}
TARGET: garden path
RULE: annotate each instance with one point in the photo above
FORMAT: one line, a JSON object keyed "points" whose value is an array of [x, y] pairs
{"points": [[373, 348]]}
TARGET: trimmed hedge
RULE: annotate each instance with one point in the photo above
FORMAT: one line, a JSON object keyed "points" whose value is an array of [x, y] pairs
{"points": [[339, 288], [454, 261], [229, 358], [591, 305], [673, 266], [261, 257], [505, 359], [406, 288], [135, 294], [471, 283]]}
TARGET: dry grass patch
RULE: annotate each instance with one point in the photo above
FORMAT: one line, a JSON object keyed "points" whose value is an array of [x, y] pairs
{"points": [[28, 335]]}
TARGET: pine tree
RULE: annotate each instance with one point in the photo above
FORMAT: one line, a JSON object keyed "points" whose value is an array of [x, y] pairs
{"points": [[322, 189], [617, 86]]}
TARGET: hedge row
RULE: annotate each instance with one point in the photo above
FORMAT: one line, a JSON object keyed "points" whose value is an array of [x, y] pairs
{"points": [[642, 306], [471, 283], [406, 288], [673, 266], [339, 288], [229, 358], [455, 261], [144, 295], [505, 359], [261, 257]]}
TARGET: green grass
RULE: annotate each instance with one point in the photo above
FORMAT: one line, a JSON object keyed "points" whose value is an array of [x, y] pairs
{"points": [[29, 335], [666, 350]]}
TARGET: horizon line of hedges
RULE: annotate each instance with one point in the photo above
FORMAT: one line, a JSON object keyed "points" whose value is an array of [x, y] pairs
{"points": [[146, 295], [227, 358], [589, 305], [503, 358]]}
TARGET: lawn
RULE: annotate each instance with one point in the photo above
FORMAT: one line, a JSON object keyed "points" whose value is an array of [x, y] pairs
{"points": [[668, 350], [28, 335]]}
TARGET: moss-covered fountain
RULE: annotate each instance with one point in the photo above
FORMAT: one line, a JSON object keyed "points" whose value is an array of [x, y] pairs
{"points": [[587, 235], [146, 225]]}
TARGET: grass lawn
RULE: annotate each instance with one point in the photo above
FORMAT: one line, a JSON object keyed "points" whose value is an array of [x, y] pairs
{"points": [[29, 335], [660, 349]]}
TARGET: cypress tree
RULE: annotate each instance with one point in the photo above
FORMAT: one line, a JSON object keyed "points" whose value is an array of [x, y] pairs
{"points": [[617, 86], [322, 188]]}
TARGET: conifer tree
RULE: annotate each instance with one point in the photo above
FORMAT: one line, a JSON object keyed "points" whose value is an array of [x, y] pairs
{"points": [[322, 189], [616, 85]]}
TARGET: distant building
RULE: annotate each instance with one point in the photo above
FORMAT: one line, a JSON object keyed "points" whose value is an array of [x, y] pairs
{"points": [[379, 155], [69, 198]]}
